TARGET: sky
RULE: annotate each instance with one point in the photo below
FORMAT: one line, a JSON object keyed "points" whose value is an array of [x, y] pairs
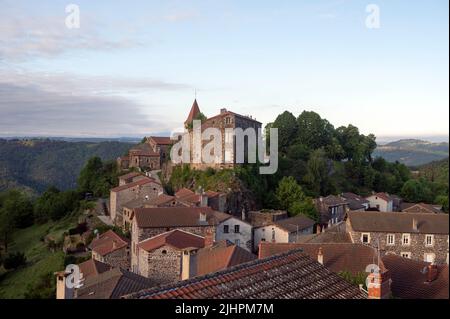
{"points": [[133, 68]]}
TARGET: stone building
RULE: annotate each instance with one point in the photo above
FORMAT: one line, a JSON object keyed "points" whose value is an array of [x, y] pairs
{"points": [[150, 222], [130, 178], [283, 231], [224, 120], [419, 236], [161, 145], [159, 257], [422, 208], [146, 188], [144, 157], [215, 200], [111, 249], [331, 209]]}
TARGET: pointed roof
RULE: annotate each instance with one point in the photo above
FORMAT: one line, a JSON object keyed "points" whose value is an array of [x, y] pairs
{"points": [[195, 110]]}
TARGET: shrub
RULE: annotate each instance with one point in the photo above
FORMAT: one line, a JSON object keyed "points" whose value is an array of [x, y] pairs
{"points": [[14, 260]]}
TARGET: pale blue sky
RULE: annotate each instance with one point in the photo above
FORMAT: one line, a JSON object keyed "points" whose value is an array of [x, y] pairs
{"points": [[133, 66]]}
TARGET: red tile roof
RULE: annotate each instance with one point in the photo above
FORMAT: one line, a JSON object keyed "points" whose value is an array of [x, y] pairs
{"points": [[195, 110], [143, 150], [130, 175], [162, 140], [422, 208], [409, 279], [291, 275], [183, 192], [159, 200], [291, 224], [177, 217], [398, 222], [384, 196], [221, 255], [177, 239], [336, 256], [92, 267], [107, 243], [136, 183]]}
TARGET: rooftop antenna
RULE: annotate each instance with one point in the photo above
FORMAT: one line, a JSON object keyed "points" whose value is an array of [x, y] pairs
{"points": [[195, 93]]}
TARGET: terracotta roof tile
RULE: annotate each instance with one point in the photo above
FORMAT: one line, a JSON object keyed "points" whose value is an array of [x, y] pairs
{"points": [[162, 140], [291, 275], [177, 216], [177, 239], [290, 224], [92, 268], [134, 184], [409, 279], [107, 243], [398, 222], [195, 110]]}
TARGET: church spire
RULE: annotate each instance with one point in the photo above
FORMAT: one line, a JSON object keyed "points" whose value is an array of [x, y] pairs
{"points": [[195, 110]]}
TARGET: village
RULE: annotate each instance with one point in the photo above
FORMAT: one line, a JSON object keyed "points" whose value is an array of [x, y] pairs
{"points": [[197, 244]]}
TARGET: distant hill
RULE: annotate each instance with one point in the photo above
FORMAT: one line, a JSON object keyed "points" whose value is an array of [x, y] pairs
{"points": [[36, 164], [413, 152]]}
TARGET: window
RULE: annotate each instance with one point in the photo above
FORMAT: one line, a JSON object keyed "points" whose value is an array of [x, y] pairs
{"points": [[263, 239], [164, 252], [226, 229], [406, 239], [390, 240], [429, 240], [406, 255], [365, 238], [237, 229]]}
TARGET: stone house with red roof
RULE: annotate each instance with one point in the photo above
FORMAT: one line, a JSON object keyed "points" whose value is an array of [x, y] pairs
{"points": [[111, 249], [215, 200], [145, 188], [418, 236]]}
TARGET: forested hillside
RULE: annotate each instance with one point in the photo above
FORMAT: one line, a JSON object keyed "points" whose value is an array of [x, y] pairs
{"points": [[34, 165]]}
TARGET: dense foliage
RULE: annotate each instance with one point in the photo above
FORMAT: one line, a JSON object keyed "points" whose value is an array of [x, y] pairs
{"points": [[35, 165], [98, 177]]}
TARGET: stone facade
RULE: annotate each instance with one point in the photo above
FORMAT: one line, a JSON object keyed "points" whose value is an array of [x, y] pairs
{"points": [[260, 218], [118, 197], [416, 248], [118, 258], [162, 265], [139, 234]]}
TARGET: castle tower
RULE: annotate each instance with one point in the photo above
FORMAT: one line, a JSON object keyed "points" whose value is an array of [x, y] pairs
{"points": [[195, 110]]}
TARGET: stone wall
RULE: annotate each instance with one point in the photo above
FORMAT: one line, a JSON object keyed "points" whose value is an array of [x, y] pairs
{"points": [[162, 265], [117, 258]]}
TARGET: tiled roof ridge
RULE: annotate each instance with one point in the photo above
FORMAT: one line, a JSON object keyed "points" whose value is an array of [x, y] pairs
{"points": [[247, 266]]}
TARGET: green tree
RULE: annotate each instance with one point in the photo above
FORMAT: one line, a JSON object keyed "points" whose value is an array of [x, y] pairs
{"points": [[313, 131], [287, 126], [318, 173], [305, 207], [289, 192], [416, 191]]}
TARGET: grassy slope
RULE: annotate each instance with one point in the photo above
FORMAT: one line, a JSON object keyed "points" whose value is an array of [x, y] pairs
{"points": [[40, 260]]}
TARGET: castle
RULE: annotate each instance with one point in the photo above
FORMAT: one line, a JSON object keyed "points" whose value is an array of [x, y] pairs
{"points": [[151, 154]]}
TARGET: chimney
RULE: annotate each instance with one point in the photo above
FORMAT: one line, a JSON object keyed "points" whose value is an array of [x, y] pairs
{"points": [[203, 200], [414, 224], [432, 272], [318, 229], [189, 264], [202, 217], [62, 289], [209, 238], [378, 285], [243, 214], [320, 256], [224, 110]]}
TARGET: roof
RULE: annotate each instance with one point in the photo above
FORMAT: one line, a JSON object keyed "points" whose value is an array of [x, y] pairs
{"points": [[135, 203], [331, 200], [409, 279], [93, 267], [195, 110], [160, 199], [112, 285], [337, 257], [291, 275], [177, 217], [162, 140], [355, 202], [184, 192], [107, 243], [326, 237], [226, 112], [221, 255], [290, 224], [143, 149], [398, 222], [177, 239], [384, 196], [422, 208], [130, 175], [134, 184]]}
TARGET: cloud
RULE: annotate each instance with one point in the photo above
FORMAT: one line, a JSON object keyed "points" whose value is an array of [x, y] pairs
{"points": [[181, 16], [29, 110], [24, 36]]}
